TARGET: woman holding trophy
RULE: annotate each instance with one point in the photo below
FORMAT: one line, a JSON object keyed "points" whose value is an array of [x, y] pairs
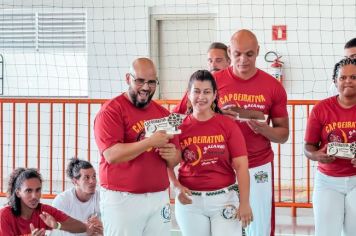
{"points": [[207, 201], [330, 140]]}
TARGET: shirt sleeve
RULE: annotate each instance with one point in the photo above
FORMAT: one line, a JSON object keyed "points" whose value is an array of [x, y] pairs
{"points": [[236, 141], [60, 203], [175, 141], [57, 214], [108, 130], [279, 103], [314, 127], [6, 224], [182, 106]]}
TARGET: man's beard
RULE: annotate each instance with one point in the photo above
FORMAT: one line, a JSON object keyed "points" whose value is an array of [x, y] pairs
{"points": [[137, 103]]}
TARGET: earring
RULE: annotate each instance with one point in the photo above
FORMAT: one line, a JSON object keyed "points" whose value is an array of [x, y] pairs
{"points": [[213, 106]]}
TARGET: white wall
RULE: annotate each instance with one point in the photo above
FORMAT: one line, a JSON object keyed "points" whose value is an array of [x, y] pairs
{"points": [[118, 32], [33, 74]]}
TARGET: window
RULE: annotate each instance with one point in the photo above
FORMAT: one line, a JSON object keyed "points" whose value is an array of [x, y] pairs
{"points": [[43, 30]]}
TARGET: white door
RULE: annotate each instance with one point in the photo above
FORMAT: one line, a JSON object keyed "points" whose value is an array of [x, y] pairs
{"points": [[182, 49]]}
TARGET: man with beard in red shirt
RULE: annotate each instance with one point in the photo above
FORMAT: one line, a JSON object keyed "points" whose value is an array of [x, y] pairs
{"points": [[133, 169]]}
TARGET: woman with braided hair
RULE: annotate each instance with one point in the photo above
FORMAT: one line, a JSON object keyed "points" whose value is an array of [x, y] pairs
{"points": [[25, 215], [334, 120], [214, 156]]}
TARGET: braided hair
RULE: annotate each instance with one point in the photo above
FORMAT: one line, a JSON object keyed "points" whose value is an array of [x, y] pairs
{"points": [[342, 63], [204, 75], [17, 177], [74, 167]]}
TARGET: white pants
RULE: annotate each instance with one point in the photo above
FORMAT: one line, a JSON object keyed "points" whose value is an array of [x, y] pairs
{"points": [[261, 200], [126, 214], [334, 205], [209, 215]]}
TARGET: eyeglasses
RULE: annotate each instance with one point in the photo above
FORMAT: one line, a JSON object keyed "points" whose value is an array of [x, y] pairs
{"points": [[141, 82]]}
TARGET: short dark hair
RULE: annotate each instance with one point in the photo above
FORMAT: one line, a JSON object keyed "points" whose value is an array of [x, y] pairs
{"points": [[17, 177], [219, 45], [342, 63], [350, 44], [74, 167], [205, 75]]}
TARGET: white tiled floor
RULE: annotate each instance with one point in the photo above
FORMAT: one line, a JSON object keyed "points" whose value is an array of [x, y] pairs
{"points": [[301, 225]]}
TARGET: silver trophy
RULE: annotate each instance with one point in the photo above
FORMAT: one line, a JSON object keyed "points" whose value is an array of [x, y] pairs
{"points": [[169, 124], [342, 150]]}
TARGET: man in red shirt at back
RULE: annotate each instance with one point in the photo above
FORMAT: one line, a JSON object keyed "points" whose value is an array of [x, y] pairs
{"points": [[218, 59], [245, 86]]}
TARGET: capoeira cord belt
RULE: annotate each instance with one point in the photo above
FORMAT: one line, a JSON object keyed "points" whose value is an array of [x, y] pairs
{"points": [[233, 187]]}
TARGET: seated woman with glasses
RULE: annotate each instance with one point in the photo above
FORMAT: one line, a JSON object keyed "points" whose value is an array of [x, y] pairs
{"points": [[214, 155]]}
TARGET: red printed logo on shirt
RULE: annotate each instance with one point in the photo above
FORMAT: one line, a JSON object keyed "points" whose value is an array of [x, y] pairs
{"points": [[242, 97], [138, 127], [337, 131], [352, 136], [192, 154], [337, 136]]}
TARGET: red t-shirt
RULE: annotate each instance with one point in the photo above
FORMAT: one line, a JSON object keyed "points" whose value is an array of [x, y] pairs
{"points": [[12, 225], [261, 92], [329, 122], [207, 151], [182, 106], [119, 121]]}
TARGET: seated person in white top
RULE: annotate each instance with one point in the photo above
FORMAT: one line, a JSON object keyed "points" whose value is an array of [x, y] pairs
{"points": [[81, 201]]}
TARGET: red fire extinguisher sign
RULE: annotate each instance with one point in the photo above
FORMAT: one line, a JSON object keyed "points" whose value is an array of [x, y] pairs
{"points": [[279, 32]]}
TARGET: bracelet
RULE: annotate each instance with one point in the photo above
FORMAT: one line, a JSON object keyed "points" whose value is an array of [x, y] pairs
{"points": [[59, 225]]}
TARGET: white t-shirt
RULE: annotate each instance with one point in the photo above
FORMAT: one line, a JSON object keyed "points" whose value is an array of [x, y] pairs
{"points": [[68, 202]]}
